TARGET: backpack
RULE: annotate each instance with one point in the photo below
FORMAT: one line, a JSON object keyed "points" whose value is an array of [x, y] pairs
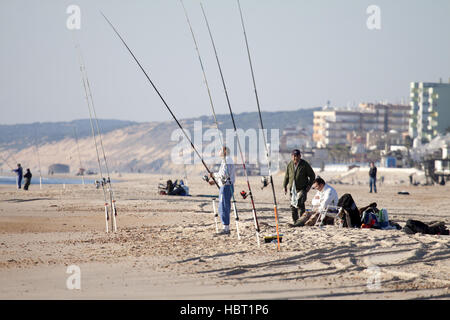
{"points": [[369, 219]]}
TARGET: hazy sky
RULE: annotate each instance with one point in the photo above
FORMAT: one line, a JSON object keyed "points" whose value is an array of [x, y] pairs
{"points": [[304, 53]]}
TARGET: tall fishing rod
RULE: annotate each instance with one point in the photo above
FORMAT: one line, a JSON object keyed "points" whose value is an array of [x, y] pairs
{"points": [[79, 156], [14, 158], [108, 180], [160, 96], [255, 218], [261, 124], [17, 162], [5, 161], [39, 158], [93, 136], [236, 216]]}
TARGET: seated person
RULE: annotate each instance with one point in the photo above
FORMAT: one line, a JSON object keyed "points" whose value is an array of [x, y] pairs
{"points": [[324, 197], [174, 188]]}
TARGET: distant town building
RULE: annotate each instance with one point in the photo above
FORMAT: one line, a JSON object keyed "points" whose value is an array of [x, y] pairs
{"points": [[58, 168], [295, 138], [332, 127], [387, 117], [376, 140], [430, 109]]}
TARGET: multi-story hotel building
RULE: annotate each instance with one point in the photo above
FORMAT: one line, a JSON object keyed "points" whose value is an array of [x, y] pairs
{"points": [[430, 109], [332, 127]]}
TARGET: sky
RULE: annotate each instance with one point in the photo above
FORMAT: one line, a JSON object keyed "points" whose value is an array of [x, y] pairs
{"points": [[304, 53]]}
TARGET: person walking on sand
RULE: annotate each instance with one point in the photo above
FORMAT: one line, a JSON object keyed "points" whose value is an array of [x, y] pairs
{"points": [[373, 177], [298, 178], [19, 172], [27, 177], [225, 178]]}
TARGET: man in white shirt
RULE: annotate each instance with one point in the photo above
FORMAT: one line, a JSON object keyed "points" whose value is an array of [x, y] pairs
{"points": [[324, 197], [225, 178]]}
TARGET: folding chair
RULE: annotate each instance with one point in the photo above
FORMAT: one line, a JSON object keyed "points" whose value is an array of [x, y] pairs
{"points": [[329, 211]]}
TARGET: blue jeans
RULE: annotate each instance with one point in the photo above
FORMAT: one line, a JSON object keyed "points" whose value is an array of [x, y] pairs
{"points": [[225, 194], [373, 182], [19, 182]]}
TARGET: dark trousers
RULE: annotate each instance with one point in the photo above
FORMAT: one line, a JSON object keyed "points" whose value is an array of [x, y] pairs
{"points": [[300, 210], [27, 184], [373, 182]]}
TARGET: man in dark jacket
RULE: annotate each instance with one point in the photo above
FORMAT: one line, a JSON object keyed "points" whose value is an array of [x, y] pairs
{"points": [[373, 177], [298, 178], [27, 177]]}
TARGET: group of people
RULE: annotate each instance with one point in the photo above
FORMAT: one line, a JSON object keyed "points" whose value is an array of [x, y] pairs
{"points": [[20, 176], [177, 188], [299, 179]]}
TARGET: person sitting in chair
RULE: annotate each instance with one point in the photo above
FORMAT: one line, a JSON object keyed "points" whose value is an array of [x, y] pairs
{"points": [[325, 196]]}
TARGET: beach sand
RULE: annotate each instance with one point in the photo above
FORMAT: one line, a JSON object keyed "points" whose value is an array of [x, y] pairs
{"points": [[165, 246]]}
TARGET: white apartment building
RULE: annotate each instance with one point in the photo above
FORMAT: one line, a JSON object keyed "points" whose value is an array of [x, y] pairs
{"points": [[332, 127]]}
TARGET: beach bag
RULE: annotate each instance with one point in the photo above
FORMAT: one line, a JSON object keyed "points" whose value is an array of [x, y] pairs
{"points": [[416, 226], [382, 218], [369, 219], [348, 204]]}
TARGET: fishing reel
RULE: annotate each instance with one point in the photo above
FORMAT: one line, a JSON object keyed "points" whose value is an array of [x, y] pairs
{"points": [[205, 178], [264, 182], [244, 194]]}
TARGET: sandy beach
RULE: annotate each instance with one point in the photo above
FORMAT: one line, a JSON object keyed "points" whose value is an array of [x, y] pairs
{"points": [[165, 246]]}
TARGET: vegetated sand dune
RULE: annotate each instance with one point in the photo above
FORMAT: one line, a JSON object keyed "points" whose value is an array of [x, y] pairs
{"points": [[165, 247]]}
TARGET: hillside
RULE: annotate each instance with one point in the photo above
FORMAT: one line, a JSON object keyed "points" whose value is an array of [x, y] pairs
{"points": [[129, 146], [18, 136]]}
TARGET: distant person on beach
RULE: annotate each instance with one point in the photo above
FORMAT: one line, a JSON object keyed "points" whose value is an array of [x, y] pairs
{"points": [[298, 178], [325, 196], [27, 177], [19, 172], [373, 177], [225, 178], [175, 188]]}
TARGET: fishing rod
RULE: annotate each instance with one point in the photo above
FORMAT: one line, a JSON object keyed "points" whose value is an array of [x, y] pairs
{"points": [[12, 155], [79, 156], [93, 135], [255, 218], [236, 216], [5, 161], [181, 154], [108, 180], [261, 124], [160, 96], [39, 158]]}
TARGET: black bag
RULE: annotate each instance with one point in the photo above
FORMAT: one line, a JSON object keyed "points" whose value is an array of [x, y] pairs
{"points": [[349, 205], [416, 226]]}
